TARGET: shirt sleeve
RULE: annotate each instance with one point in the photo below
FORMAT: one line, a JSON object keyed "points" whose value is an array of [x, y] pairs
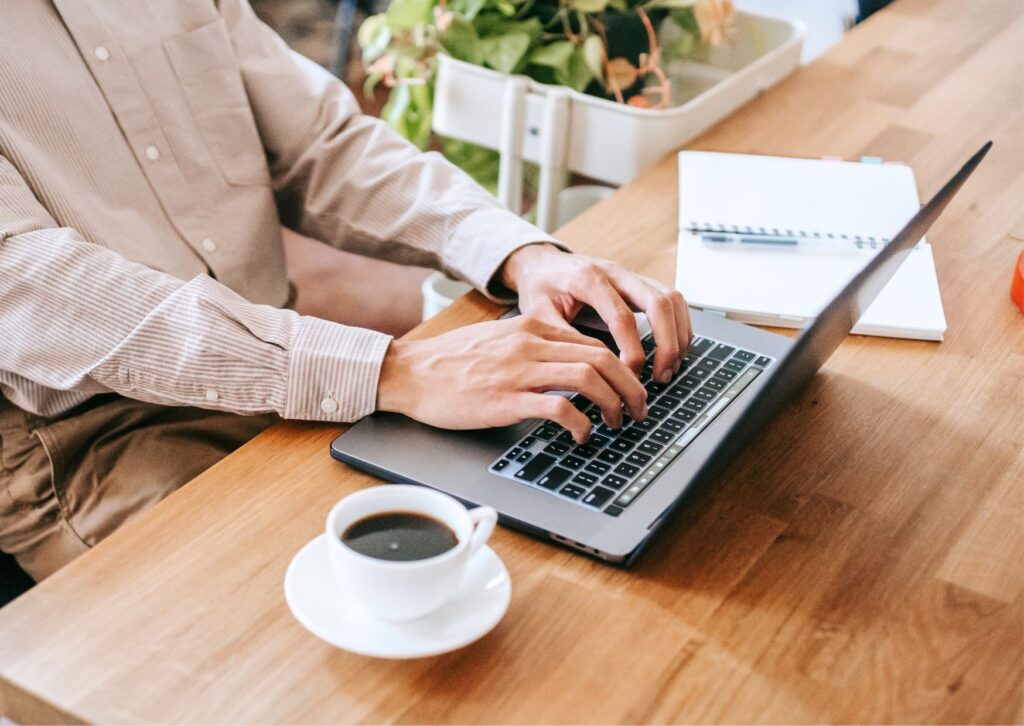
{"points": [[349, 180], [77, 317]]}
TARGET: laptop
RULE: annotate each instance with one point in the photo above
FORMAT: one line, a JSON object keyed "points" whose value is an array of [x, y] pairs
{"points": [[609, 496]]}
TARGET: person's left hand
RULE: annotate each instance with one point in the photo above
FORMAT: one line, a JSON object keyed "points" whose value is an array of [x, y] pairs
{"points": [[554, 286]]}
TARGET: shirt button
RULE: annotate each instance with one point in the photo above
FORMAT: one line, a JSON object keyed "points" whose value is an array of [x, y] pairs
{"points": [[328, 405], [102, 53], [152, 153], [208, 245], [212, 395]]}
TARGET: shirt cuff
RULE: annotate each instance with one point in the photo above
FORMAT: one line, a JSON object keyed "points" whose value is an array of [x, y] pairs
{"points": [[334, 371], [483, 241]]}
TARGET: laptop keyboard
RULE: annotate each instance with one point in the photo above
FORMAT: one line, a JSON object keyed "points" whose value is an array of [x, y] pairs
{"points": [[615, 467]]}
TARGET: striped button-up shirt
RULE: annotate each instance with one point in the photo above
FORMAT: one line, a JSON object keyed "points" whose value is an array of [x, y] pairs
{"points": [[150, 151]]}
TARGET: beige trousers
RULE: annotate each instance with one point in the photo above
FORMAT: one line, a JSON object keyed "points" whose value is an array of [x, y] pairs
{"points": [[69, 481]]}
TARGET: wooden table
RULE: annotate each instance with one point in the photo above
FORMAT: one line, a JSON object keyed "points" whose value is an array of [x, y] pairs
{"points": [[860, 562]]}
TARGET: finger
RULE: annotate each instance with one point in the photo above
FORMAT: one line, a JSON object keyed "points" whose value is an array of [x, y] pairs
{"points": [[660, 312], [606, 300], [554, 408], [560, 331], [580, 377], [682, 320], [611, 369]]}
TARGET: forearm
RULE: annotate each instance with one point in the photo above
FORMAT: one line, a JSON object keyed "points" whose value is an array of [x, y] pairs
{"points": [[78, 317]]}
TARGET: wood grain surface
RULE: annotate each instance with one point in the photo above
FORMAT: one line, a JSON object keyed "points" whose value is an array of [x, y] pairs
{"points": [[860, 562]]}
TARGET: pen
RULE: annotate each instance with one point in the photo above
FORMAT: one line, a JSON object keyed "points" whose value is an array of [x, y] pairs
{"points": [[831, 243]]}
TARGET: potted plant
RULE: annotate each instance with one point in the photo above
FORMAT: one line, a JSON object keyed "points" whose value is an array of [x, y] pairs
{"points": [[606, 48]]}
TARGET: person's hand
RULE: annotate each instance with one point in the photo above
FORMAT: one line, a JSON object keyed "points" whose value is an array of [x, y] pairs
{"points": [[554, 286], [494, 374]]}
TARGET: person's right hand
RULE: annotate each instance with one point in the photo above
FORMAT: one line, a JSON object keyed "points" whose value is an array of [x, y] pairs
{"points": [[494, 374]]}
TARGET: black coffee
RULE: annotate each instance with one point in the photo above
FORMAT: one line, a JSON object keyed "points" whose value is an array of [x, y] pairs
{"points": [[401, 536]]}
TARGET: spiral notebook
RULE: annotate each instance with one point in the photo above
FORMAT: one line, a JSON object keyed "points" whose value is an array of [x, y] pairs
{"points": [[771, 240]]}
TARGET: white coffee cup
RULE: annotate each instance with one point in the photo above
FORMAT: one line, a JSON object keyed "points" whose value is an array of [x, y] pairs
{"points": [[404, 590]]}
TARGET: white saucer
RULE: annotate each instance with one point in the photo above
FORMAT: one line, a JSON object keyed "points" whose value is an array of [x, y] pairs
{"points": [[317, 601]]}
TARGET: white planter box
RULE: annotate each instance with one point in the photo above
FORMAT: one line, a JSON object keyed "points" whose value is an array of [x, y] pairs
{"points": [[610, 141]]}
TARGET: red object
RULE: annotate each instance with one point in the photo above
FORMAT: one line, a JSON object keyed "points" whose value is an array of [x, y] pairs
{"points": [[1017, 286]]}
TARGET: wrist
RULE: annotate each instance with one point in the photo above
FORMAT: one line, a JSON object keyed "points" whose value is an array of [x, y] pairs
{"points": [[394, 388], [518, 264]]}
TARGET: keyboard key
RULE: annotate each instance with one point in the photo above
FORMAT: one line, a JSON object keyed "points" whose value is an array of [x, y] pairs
{"points": [[554, 478], [651, 447], [705, 393], [524, 457], [546, 432], [527, 442], [700, 373], [745, 355], [615, 482], [499, 464], [585, 479], [625, 469], [672, 424], [684, 414], [662, 435], [584, 451], [687, 383], [633, 433], [605, 430], [646, 425], [647, 343], [639, 459], [594, 414], [763, 361], [735, 365], [721, 351], [669, 402], [572, 462], [597, 441], [598, 467], [706, 364], [725, 374], [580, 402], [657, 412], [535, 468], [609, 456], [622, 445], [653, 389], [714, 383], [695, 404], [573, 491], [613, 510], [700, 345], [598, 497], [556, 448], [513, 453], [565, 438]]}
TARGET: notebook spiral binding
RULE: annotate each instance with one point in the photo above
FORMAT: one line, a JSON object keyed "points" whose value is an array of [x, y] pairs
{"points": [[871, 243]]}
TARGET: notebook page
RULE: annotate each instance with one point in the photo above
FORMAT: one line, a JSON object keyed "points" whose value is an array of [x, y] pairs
{"points": [[806, 197]]}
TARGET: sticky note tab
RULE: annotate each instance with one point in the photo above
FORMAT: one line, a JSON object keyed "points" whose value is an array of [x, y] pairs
{"points": [[872, 160]]}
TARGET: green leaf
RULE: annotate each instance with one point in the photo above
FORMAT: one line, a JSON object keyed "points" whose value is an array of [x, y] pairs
{"points": [[462, 42], [468, 9], [407, 14], [554, 55], [394, 110], [480, 163], [593, 56], [374, 36], [579, 75], [504, 53], [588, 6]]}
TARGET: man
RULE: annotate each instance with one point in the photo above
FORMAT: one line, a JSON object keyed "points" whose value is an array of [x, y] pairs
{"points": [[149, 154]]}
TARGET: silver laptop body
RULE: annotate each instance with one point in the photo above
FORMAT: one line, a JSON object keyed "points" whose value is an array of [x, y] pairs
{"points": [[542, 488]]}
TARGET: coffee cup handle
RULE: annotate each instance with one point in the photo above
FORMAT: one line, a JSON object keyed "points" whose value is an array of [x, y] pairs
{"points": [[484, 519]]}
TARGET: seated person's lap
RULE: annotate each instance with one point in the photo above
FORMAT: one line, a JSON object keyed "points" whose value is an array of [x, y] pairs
{"points": [[68, 482]]}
